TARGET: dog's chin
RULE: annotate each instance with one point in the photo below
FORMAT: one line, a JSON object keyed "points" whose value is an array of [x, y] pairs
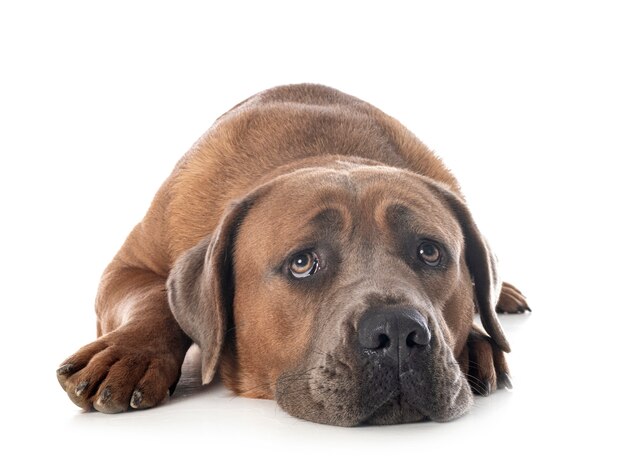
{"points": [[398, 410], [394, 411], [395, 408]]}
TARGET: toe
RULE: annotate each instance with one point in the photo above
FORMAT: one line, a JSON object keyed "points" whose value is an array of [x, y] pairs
{"points": [[511, 300], [118, 386], [154, 386]]}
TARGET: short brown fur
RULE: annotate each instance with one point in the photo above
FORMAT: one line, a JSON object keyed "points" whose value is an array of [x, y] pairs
{"points": [[213, 242]]}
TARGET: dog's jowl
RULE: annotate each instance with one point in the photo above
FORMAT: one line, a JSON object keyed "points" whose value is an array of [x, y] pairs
{"points": [[318, 254]]}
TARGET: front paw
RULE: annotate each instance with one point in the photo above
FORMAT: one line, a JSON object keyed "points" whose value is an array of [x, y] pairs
{"points": [[511, 300], [484, 364], [118, 372]]}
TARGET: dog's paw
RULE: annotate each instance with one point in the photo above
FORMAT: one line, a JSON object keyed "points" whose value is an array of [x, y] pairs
{"points": [[484, 364], [511, 300], [117, 372]]}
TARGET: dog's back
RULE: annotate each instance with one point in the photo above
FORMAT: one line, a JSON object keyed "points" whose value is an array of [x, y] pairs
{"points": [[276, 128]]}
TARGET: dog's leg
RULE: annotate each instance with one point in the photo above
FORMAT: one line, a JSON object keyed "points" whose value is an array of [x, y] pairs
{"points": [[481, 360], [484, 364], [511, 300], [137, 358]]}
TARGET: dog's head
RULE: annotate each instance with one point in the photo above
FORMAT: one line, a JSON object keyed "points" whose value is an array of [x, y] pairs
{"points": [[344, 291]]}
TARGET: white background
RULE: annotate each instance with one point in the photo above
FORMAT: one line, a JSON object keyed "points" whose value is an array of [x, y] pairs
{"points": [[525, 103]]}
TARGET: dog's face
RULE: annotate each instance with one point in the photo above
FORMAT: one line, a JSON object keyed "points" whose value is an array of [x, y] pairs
{"points": [[343, 292]]}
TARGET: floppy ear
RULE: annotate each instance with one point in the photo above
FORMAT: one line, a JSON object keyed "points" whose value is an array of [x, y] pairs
{"points": [[482, 266], [200, 288]]}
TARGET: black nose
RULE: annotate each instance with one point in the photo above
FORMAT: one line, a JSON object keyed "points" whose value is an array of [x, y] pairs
{"points": [[393, 330]]}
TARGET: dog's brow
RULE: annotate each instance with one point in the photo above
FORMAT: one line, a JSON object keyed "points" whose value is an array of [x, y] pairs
{"points": [[324, 224], [331, 217], [400, 217]]}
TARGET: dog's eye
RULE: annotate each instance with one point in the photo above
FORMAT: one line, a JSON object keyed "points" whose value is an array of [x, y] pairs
{"points": [[304, 264], [429, 253]]}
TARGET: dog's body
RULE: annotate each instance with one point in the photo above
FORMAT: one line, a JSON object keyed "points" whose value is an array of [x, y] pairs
{"points": [[319, 254]]}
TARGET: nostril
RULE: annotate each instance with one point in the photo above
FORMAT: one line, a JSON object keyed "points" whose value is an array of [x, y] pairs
{"points": [[383, 341], [383, 328], [410, 340], [418, 338]]}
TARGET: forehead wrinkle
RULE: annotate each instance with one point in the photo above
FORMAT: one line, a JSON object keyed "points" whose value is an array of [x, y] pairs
{"points": [[302, 228], [427, 218], [333, 219], [381, 213], [332, 216], [330, 221]]}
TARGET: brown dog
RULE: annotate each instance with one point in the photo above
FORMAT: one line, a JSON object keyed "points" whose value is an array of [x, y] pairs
{"points": [[319, 254]]}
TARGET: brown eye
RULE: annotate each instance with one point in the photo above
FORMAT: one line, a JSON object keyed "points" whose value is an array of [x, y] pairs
{"points": [[304, 265], [429, 253]]}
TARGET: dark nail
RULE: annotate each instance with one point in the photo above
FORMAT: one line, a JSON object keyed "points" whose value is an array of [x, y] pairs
{"points": [[137, 399], [105, 395], [504, 380], [81, 387], [65, 369]]}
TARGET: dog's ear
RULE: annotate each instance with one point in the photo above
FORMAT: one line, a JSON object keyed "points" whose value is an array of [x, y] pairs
{"points": [[482, 266], [200, 288]]}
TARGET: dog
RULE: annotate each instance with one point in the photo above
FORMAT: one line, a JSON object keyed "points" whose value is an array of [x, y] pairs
{"points": [[318, 254]]}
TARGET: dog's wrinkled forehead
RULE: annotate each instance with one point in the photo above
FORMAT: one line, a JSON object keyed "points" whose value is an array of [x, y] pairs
{"points": [[369, 201]]}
